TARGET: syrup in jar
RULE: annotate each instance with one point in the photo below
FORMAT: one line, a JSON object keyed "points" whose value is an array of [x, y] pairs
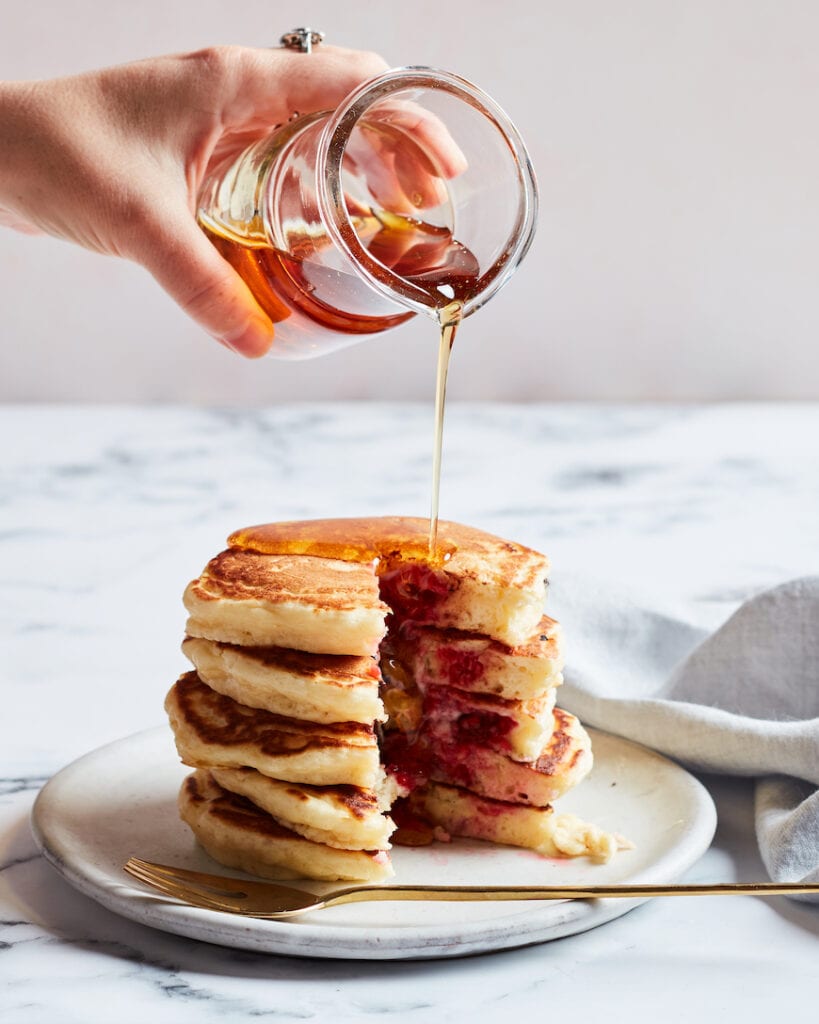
{"points": [[310, 296]]}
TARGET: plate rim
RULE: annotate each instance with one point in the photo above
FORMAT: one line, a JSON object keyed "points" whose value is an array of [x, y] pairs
{"points": [[322, 940]]}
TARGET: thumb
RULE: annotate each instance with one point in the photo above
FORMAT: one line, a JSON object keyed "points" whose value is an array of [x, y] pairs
{"points": [[207, 288]]}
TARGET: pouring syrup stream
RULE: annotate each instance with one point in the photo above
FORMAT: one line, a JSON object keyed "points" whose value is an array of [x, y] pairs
{"points": [[449, 318]]}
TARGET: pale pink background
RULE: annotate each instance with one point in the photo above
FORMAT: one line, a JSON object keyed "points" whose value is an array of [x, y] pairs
{"points": [[678, 252]]}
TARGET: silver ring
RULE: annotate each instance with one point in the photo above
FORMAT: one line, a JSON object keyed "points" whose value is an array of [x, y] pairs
{"points": [[302, 39]]}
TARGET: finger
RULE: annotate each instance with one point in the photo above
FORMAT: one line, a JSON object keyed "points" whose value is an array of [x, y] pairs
{"points": [[400, 175], [417, 179], [427, 132], [405, 152], [374, 163], [396, 173], [207, 288], [15, 221]]}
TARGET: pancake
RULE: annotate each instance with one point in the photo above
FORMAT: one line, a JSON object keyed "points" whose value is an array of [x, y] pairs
{"points": [[346, 817], [469, 661], [212, 730], [309, 604], [237, 834], [483, 583], [314, 687], [463, 813], [283, 714], [565, 759]]}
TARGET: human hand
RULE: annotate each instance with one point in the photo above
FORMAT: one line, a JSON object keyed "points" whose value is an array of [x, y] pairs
{"points": [[405, 153], [113, 160]]}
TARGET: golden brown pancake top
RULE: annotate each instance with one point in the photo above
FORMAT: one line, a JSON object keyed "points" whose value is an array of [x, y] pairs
{"points": [[221, 720], [396, 540], [324, 583]]}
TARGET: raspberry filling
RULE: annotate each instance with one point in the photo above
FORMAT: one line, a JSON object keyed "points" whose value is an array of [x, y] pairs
{"points": [[412, 761], [446, 728], [408, 762], [469, 726], [459, 668], [413, 591], [483, 728]]}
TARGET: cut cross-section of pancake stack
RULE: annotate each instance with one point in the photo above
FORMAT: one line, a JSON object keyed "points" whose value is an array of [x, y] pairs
{"points": [[283, 717], [475, 737]]}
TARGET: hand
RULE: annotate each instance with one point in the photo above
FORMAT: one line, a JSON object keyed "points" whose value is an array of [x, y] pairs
{"points": [[114, 160], [405, 153]]}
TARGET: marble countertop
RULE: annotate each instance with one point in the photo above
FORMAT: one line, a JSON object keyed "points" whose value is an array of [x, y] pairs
{"points": [[106, 514]]}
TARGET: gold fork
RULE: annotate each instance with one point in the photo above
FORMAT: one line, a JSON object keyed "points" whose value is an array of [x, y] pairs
{"points": [[272, 901]]}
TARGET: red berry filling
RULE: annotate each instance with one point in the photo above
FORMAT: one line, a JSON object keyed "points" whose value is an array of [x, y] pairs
{"points": [[458, 667], [413, 591]]}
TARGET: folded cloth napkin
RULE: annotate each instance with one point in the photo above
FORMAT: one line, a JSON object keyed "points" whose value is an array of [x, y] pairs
{"points": [[743, 700]]}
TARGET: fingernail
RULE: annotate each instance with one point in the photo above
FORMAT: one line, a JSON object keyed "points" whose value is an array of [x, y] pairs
{"points": [[253, 340]]}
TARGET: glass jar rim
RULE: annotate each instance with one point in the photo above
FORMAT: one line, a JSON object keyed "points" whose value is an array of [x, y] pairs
{"points": [[333, 207]]}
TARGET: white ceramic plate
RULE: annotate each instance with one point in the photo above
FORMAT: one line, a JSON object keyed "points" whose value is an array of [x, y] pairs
{"points": [[120, 801]]}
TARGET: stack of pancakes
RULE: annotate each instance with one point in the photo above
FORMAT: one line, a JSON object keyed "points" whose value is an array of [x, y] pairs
{"points": [[283, 717]]}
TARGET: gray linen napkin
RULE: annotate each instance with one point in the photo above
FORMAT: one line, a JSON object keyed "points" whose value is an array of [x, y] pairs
{"points": [[743, 700]]}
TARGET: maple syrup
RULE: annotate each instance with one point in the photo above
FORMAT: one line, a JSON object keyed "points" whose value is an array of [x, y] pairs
{"points": [[308, 295], [303, 294], [388, 541]]}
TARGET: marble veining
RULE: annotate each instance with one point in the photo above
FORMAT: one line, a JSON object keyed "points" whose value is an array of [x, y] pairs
{"points": [[105, 513]]}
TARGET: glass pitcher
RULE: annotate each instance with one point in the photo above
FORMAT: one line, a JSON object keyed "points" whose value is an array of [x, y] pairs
{"points": [[416, 193]]}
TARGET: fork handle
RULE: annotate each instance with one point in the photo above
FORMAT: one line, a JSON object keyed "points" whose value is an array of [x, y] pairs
{"points": [[356, 894]]}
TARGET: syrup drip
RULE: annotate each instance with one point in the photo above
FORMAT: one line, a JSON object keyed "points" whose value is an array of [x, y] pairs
{"points": [[449, 318]]}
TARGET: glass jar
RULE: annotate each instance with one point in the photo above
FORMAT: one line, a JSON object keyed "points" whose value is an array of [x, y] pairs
{"points": [[416, 193]]}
